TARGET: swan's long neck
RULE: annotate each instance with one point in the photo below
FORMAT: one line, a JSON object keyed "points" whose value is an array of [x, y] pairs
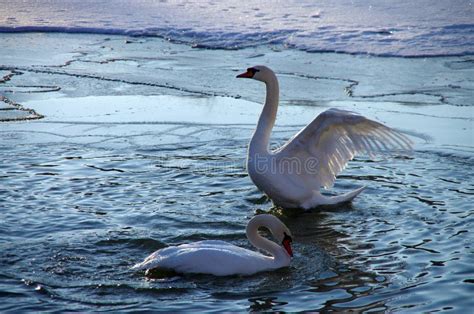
{"points": [[261, 137], [280, 256]]}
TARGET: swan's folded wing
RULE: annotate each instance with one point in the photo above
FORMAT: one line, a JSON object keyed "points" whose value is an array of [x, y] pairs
{"points": [[330, 141], [157, 258]]}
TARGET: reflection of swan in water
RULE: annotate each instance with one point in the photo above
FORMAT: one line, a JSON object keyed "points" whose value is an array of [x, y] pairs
{"points": [[293, 175], [221, 258]]}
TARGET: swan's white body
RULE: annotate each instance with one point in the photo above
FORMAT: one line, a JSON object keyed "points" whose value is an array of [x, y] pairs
{"points": [[220, 258], [293, 175]]}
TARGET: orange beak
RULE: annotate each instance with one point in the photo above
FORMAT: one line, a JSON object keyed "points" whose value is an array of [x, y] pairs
{"points": [[287, 245], [247, 74]]}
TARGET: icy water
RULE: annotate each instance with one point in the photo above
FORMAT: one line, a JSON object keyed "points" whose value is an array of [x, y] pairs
{"points": [[382, 27], [138, 150]]}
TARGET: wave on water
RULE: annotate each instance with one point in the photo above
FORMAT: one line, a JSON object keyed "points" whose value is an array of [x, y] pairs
{"points": [[432, 43], [217, 40], [356, 27]]}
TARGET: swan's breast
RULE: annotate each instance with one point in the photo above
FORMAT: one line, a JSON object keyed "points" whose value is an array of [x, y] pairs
{"points": [[277, 178]]}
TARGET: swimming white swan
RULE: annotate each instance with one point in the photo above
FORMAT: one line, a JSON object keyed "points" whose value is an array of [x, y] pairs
{"points": [[220, 258], [293, 174]]}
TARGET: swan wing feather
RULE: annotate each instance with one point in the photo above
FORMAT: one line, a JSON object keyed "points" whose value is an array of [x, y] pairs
{"points": [[334, 137], [210, 257]]}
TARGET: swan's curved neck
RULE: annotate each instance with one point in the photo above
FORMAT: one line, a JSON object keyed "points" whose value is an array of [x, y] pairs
{"points": [[279, 254], [261, 137]]}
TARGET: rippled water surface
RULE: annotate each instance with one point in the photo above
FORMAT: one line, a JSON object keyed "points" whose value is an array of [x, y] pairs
{"points": [[86, 193]]}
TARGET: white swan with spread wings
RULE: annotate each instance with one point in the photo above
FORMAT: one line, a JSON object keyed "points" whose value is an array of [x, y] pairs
{"points": [[293, 175]]}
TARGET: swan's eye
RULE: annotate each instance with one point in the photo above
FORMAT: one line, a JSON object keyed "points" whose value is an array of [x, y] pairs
{"points": [[249, 74], [253, 70]]}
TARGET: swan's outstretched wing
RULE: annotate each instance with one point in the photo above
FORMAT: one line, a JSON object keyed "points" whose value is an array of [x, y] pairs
{"points": [[329, 142]]}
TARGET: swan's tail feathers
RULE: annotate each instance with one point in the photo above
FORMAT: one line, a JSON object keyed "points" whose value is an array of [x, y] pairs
{"points": [[138, 266], [323, 200], [149, 262], [347, 197]]}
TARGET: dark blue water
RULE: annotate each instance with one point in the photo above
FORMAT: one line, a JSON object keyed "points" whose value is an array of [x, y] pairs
{"points": [[82, 201], [76, 217]]}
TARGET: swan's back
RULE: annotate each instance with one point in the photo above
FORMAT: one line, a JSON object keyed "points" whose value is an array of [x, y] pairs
{"points": [[218, 258]]}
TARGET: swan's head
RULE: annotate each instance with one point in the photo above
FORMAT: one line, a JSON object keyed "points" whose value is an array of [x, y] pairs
{"points": [[258, 72], [278, 229], [283, 235], [286, 243]]}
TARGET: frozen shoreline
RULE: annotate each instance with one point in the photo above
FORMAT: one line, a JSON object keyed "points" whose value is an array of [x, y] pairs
{"points": [[359, 27]]}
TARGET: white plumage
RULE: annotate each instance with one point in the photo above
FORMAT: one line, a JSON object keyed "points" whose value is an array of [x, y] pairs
{"points": [[293, 174], [220, 258]]}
